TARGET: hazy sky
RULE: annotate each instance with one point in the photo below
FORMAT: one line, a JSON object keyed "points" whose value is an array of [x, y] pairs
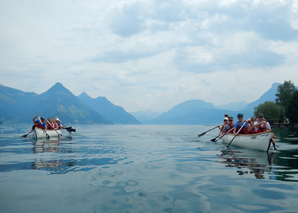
{"points": [[150, 54]]}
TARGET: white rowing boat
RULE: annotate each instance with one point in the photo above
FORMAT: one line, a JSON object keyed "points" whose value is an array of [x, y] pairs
{"points": [[41, 133], [260, 141]]}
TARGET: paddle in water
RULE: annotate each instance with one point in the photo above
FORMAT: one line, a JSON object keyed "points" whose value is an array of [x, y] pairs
{"points": [[214, 139], [68, 129], [206, 132], [236, 135]]}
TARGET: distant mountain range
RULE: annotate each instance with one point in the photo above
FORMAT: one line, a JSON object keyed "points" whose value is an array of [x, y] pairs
{"points": [[111, 112], [234, 106], [201, 112], [267, 96], [144, 116], [20, 107]]}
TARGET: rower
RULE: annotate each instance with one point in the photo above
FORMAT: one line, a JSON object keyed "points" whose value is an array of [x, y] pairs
{"points": [[227, 128], [262, 126], [239, 124], [37, 123], [58, 124], [226, 121]]}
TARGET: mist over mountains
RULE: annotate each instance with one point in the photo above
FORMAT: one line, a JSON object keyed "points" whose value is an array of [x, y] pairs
{"points": [[17, 106], [201, 112], [111, 112], [235, 106]]}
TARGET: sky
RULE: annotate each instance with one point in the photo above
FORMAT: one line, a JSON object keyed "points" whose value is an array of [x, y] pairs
{"points": [[150, 54]]}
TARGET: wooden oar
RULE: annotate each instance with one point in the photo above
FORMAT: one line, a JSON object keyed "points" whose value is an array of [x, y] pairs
{"points": [[214, 139], [236, 135], [59, 135], [206, 132]]}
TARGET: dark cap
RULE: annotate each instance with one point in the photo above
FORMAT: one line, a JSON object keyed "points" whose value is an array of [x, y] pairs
{"points": [[231, 118], [240, 115], [42, 118], [260, 114], [226, 115]]}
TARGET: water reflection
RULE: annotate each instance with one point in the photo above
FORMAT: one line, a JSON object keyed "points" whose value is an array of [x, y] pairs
{"points": [[286, 167], [46, 145], [52, 145], [248, 162]]}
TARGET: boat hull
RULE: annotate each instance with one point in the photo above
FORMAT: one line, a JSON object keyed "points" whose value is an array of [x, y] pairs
{"points": [[260, 141], [40, 133]]}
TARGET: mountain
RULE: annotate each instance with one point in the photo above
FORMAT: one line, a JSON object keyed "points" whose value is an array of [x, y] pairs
{"points": [[181, 109], [145, 116], [14, 104], [188, 112], [114, 113], [20, 107], [200, 112], [235, 106], [267, 96], [59, 101]]}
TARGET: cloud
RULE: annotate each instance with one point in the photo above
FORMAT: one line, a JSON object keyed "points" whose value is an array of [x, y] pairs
{"points": [[149, 54], [203, 29]]}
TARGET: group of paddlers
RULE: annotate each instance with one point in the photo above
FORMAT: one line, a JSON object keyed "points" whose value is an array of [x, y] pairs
{"points": [[46, 124], [250, 126]]}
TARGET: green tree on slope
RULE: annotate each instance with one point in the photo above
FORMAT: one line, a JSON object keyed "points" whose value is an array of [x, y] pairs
{"points": [[284, 95], [293, 107], [270, 110]]}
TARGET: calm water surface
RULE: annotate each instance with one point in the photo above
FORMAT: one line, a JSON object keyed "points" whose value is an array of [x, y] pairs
{"points": [[144, 168]]}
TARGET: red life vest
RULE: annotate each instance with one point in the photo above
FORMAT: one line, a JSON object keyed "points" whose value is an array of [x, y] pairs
{"points": [[261, 128], [231, 127], [38, 124], [252, 131], [49, 126], [243, 130]]}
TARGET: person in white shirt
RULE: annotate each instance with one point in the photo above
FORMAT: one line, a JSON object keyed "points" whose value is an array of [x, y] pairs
{"points": [[262, 126]]}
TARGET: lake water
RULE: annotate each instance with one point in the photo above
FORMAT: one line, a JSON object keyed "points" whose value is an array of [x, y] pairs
{"points": [[144, 168]]}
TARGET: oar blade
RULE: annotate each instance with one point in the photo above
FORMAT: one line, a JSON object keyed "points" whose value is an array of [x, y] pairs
{"points": [[214, 139], [201, 134], [24, 136], [70, 129], [206, 132]]}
